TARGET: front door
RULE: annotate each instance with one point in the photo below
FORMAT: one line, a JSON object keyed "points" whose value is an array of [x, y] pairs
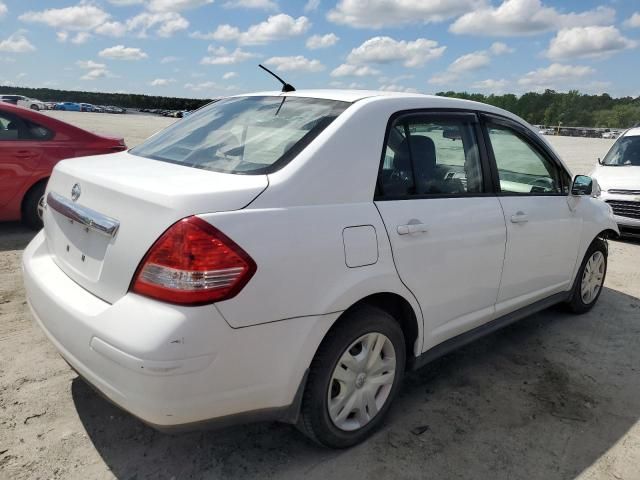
{"points": [[542, 230], [446, 229]]}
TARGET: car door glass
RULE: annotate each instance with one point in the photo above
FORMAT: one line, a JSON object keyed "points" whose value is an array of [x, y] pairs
{"points": [[430, 157], [9, 130], [521, 168]]}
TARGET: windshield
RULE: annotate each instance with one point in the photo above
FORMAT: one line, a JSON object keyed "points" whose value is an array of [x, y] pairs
{"points": [[248, 135], [626, 151]]}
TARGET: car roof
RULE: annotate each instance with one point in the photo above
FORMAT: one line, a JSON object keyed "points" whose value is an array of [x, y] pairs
{"points": [[632, 132]]}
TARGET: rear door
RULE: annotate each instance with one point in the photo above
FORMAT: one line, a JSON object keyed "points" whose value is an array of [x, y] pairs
{"points": [[542, 230], [446, 228], [19, 156]]}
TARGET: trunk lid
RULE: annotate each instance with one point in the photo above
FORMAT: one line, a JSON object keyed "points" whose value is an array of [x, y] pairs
{"points": [[144, 197]]}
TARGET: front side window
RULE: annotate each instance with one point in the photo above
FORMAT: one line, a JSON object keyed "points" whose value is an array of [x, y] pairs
{"points": [[521, 168], [430, 156], [249, 135], [625, 152]]}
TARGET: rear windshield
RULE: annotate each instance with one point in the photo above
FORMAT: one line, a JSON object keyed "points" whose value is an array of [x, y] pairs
{"points": [[626, 151], [247, 135]]}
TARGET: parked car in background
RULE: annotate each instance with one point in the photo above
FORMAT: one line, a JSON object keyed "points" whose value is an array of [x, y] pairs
{"points": [[611, 134], [68, 106], [618, 174], [50, 105], [23, 101], [98, 108], [114, 109], [30, 146], [288, 256], [86, 107]]}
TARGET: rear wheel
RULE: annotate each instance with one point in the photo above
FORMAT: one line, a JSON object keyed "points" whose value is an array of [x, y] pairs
{"points": [[353, 379], [590, 278], [33, 207]]}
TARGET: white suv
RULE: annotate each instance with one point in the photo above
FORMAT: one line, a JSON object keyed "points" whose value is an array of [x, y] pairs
{"points": [[288, 256], [618, 174], [23, 101]]}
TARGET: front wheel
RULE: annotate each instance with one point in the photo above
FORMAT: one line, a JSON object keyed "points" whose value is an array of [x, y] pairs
{"points": [[590, 278], [35, 107], [353, 378]]}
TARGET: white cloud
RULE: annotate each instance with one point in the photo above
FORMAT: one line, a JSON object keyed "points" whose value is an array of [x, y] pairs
{"points": [[97, 73], [491, 85], [259, 4], [16, 43], [311, 5], [443, 78], [165, 24], [322, 41], [633, 21], [525, 17], [124, 3], [221, 56], [169, 59], [120, 52], [95, 70], [90, 64], [352, 85], [394, 87], [62, 36], [161, 82], [229, 75], [385, 13], [209, 86], [84, 16], [387, 50], [276, 27], [499, 48], [3, 9], [175, 5], [297, 63], [554, 74], [80, 38], [112, 29], [470, 61], [348, 70], [588, 42]]}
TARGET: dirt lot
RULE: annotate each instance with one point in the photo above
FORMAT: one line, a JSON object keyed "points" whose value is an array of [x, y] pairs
{"points": [[555, 396]]}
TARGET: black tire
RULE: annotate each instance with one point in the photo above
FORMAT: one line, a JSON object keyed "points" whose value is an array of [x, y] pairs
{"points": [[576, 304], [30, 215], [315, 421], [35, 107]]}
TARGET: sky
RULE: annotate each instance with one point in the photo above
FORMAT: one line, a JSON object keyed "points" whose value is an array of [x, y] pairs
{"points": [[211, 48]]}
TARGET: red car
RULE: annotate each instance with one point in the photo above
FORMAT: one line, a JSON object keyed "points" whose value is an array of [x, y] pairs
{"points": [[30, 145]]}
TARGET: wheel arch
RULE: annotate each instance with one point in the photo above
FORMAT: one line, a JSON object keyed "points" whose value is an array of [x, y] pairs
{"points": [[397, 307], [35, 184]]}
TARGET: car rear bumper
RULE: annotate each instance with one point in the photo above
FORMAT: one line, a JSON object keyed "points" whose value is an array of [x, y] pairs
{"points": [[171, 366]]}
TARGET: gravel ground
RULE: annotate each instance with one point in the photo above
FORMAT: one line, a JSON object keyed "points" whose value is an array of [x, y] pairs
{"points": [[555, 396]]}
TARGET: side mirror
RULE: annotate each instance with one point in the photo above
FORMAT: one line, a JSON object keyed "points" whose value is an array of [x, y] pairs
{"points": [[582, 185]]}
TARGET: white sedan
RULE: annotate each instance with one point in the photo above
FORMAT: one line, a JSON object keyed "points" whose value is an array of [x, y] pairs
{"points": [[288, 256], [618, 174]]}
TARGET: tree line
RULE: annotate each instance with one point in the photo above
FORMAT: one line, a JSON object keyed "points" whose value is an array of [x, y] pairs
{"points": [[126, 100], [571, 109]]}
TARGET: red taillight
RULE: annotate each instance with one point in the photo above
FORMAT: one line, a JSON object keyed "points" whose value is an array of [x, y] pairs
{"points": [[193, 263]]}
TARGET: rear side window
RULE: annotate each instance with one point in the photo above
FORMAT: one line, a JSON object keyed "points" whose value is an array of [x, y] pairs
{"points": [[522, 168], [248, 135], [430, 156], [13, 128]]}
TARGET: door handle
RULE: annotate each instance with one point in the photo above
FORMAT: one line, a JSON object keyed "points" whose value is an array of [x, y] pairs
{"points": [[24, 154], [520, 217], [412, 228]]}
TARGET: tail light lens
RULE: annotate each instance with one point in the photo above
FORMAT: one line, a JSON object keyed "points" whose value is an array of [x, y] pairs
{"points": [[193, 263]]}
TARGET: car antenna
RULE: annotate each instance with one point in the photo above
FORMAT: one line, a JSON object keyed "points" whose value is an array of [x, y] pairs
{"points": [[285, 86]]}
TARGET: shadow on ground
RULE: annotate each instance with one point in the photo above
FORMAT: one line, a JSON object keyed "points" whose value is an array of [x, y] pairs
{"points": [[14, 236], [544, 398]]}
